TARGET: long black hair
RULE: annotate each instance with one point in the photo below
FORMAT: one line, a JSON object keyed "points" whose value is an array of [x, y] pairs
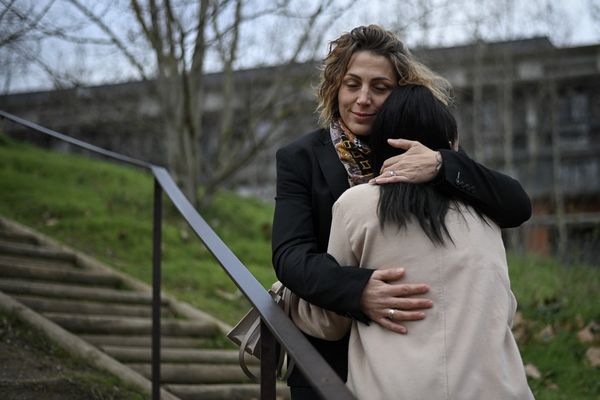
{"points": [[412, 112]]}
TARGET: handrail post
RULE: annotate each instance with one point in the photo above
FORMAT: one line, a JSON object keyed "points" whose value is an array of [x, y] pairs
{"points": [[268, 363], [156, 277]]}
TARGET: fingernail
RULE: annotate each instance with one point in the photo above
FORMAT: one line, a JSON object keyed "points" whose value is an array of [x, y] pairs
{"points": [[421, 315]]}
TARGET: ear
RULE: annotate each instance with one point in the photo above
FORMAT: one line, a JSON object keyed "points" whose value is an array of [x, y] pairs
{"points": [[454, 146]]}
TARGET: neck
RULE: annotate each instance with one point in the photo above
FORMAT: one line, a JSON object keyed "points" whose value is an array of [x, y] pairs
{"points": [[351, 135]]}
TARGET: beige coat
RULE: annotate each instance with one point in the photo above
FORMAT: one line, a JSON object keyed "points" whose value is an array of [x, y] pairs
{"points": [[464, 348]]}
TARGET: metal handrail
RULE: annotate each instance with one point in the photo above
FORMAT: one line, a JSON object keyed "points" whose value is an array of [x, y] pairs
{"points": [[276, 327]]}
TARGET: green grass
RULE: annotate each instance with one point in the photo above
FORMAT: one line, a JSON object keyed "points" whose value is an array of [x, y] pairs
{"points": [[565, 298], [70, 377], [106, 210]]}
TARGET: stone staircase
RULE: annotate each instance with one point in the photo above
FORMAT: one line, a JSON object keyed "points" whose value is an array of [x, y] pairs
{"points": [[112, 312]]}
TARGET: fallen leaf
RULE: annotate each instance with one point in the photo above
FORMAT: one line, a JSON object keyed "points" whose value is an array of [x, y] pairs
{"points": [[231, 296], [546, 334], [589, 334], [521, 328], [51, 222], [518, 319], [532, 371], [184, 234], [593, 356]]}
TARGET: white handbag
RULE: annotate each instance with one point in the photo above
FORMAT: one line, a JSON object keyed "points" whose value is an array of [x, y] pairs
{"points": [[246, 333]]}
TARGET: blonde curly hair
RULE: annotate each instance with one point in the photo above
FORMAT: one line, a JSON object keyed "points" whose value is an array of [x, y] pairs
{"points": [[379, 41]]}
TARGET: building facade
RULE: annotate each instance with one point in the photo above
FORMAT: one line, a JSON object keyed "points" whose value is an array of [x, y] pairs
{"points": [[524, 107]]}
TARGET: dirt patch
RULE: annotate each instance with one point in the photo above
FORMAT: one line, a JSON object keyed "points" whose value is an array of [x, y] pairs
{"points": [[32, 367]]}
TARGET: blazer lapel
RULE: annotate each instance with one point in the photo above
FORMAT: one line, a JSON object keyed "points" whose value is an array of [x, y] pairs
{"points": [[332, 168]]}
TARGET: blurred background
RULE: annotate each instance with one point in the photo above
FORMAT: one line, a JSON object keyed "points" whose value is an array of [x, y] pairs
{"points": [[211, 88]]}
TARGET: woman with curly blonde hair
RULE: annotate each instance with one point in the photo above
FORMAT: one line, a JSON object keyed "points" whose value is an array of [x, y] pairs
{"points": [[361, 69], [464, 349]]}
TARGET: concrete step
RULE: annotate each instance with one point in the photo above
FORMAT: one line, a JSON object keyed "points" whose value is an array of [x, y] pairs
{"points": [[182, 355], [195, 373], [33, 251], [87, 303], [80, 323], [144, 341], [43, 304], [17, 260], [59, 274], [15, 237], [78, 292], [240, 391]]}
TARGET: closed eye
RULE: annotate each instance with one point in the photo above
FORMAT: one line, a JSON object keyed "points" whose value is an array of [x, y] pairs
{"points": [[381, 88]]}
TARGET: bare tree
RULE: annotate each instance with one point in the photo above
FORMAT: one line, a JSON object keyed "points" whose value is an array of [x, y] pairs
{"points": [[183, 39], [27, 28], [594, 7], [19, 21]]}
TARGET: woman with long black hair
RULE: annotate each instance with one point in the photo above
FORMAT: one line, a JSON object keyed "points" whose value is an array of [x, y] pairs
{"points": [[464, 349]]}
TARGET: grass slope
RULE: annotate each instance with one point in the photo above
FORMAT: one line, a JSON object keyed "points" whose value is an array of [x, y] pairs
{"points": [[106, 210], [32, 367]]}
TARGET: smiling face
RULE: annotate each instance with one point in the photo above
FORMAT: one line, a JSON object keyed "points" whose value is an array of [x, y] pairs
{"points": [[368, 81]]}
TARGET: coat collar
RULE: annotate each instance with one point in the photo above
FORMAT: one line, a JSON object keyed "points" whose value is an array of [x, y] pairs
{"points": [[331, 166]]}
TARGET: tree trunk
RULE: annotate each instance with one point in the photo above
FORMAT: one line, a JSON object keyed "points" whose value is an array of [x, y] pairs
{"points": [[532, 99], [506, 94], [558, 194]]}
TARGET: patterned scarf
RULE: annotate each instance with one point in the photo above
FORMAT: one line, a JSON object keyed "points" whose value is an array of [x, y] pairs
{"points": [[354, 154]]}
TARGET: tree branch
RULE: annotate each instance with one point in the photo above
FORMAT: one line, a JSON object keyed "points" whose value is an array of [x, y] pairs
{"points": [[112, 35], [199, 43], [226, 130], [30, 22]]}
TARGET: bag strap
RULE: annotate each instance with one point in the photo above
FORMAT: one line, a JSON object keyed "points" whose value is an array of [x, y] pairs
{"points": [[286, 296], [242, 352], [281, 295]]}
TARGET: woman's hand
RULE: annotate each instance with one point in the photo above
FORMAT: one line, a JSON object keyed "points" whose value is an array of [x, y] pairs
{"points": [[380, 297], [418, 164]]}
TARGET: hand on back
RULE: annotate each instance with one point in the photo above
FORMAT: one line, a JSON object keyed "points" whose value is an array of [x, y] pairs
{"points": [[383, 293]]}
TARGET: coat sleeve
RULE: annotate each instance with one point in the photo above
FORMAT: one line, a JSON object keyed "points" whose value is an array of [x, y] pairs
{"points": [[498, 196], [318, 322], [312, 319], [299, 263]]}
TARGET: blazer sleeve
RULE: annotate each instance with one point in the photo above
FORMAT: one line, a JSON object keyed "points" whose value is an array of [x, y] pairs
{"points": [[498, 196], [299, 263], [312, 319]]}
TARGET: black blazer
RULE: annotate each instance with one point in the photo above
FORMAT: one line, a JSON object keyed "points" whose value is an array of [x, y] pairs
{"points": [[310, 178]]}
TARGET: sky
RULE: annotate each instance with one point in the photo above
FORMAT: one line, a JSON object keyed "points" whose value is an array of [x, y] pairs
{"points": [[566, 22]]}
